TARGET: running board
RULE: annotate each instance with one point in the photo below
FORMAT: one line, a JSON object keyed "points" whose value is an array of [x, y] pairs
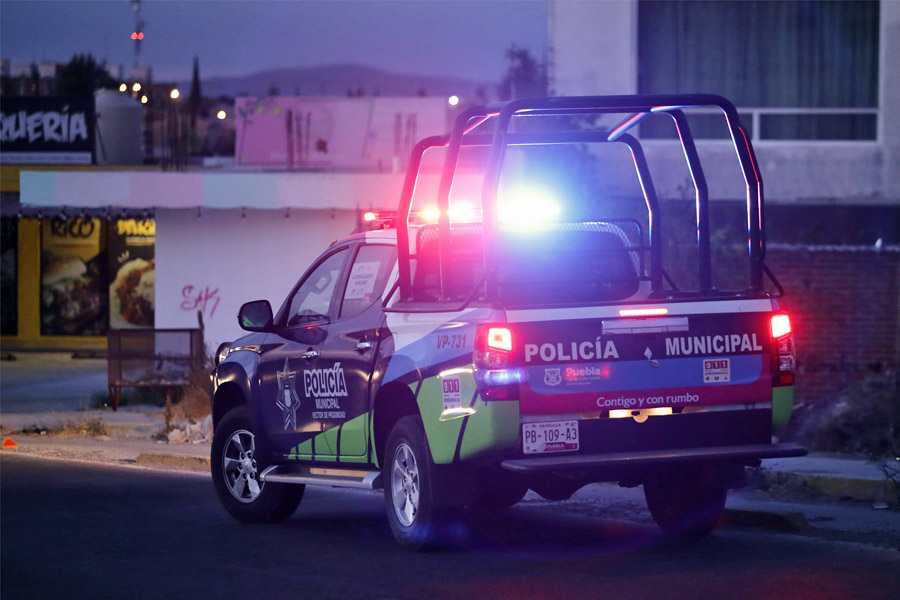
{"points": [[367, 480]]}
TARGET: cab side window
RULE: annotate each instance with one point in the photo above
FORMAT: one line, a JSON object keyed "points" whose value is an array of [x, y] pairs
{"points": [[367, 279], [312, 299]]}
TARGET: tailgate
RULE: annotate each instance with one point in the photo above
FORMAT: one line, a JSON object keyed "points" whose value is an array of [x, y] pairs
{"points": [[591, 360]]}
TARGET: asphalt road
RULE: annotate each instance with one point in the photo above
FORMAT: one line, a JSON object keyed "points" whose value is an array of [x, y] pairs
{"points": [[73, 530]]}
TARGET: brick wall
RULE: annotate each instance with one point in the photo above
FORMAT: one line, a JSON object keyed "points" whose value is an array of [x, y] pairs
{"points": [[844, 303]]}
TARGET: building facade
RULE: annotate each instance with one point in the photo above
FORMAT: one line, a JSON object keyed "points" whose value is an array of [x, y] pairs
{"points": [[818, 86]]}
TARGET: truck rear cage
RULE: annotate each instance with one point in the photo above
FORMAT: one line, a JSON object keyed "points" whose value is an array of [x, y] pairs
{"points": [[636, 108]]}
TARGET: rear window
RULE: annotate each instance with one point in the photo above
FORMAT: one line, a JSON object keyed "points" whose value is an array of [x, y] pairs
{"points": [[564, 264]]}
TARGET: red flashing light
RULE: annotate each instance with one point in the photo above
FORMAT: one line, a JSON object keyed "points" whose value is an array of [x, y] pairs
{"points": [[781, 326], [500, 338], [379, 220], [430, 214], [643, 312], [137, 35]]}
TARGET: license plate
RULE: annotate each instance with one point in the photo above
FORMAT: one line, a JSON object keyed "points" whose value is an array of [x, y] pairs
{"points": [[554, 436]]}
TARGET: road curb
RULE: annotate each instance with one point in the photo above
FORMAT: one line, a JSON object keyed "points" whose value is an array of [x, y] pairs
{"points": [[775, 520], [834, 487], [179, 461]]}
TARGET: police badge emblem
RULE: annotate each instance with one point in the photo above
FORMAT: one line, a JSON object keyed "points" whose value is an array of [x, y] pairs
{"points": [[552, 376], [288, 400]]}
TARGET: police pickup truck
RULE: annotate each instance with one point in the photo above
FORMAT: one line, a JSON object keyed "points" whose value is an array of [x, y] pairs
{"points": [[458, 364]]}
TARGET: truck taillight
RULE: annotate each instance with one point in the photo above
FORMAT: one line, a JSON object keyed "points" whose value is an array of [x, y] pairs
{"points": [[784, 364], [494, 345], [499, 338], [781, 325]]}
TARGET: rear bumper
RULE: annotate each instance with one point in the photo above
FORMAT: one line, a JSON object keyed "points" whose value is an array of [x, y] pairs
{"points": [[650, 458]]}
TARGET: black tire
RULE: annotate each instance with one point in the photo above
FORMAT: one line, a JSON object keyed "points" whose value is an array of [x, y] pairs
{"points": [[235, 473], [407, 473], [498, 490], [685, 502]]}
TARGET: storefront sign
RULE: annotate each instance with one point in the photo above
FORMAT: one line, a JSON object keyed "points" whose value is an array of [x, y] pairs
{"points": [[47, 130]]}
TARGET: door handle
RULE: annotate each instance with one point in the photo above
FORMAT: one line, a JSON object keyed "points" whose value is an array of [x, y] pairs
{"points": [[363, 346], [310, 354]]}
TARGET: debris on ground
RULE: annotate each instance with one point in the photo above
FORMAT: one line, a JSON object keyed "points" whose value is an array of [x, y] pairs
{"points": [[191, 432]]}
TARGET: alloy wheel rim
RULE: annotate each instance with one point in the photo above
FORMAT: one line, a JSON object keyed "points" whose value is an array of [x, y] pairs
{"points": [[240, 468], [405, 485]]}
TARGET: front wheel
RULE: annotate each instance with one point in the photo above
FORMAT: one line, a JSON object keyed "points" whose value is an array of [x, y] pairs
{"points": [[235, 470], [408, 485], [685, 502]]}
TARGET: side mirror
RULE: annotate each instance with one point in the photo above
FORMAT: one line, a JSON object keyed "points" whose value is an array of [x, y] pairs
{"points": [[256, 316]]}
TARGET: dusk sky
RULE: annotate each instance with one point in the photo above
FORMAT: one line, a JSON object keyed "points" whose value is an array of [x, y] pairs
{"points": [[435, 37]]}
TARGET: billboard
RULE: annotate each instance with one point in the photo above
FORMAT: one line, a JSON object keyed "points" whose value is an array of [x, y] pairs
{"points": [[301, 132], [47, 130]]}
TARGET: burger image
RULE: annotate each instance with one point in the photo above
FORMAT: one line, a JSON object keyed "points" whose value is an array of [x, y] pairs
{"points": [[68, 296], [132, 294]]}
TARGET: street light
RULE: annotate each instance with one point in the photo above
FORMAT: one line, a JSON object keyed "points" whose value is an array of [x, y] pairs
{"points": [[136, 87], [453, 100], [221, 115], [123, 88], [174, 94], [144, 99]]}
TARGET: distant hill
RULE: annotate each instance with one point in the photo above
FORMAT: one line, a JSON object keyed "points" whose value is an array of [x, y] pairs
{"points": [[338, 80]]}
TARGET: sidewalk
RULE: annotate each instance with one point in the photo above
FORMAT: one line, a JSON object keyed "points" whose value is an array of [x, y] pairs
{"points": [[831, 475], [56, 394], [51, 391]]}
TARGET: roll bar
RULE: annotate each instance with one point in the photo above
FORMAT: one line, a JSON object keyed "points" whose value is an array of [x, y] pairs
{"points": [[642, 106]]}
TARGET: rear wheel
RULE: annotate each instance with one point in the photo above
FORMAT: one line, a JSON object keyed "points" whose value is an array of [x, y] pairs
{"points": [[686, 501], [408, 485], [235, 472]]}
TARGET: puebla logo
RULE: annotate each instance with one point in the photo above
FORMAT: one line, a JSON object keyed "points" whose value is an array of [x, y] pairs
{"points": [[288, 400], [552, 376]]}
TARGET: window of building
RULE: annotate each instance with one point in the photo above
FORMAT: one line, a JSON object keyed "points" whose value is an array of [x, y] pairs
{"points": [[798, 69]]}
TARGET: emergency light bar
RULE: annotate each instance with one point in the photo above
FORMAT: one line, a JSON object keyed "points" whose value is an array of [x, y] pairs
{"points": [[523, 209]]}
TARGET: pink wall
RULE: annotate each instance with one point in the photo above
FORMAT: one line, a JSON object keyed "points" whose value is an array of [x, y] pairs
{"points": [[376, 133]]}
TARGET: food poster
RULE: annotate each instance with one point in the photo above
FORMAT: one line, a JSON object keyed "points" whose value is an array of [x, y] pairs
{"points": [[73, 277], [132, 273]]}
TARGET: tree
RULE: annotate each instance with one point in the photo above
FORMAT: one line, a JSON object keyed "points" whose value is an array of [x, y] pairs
{"points": [[195, 101], [81, 76], [524, 78]]}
